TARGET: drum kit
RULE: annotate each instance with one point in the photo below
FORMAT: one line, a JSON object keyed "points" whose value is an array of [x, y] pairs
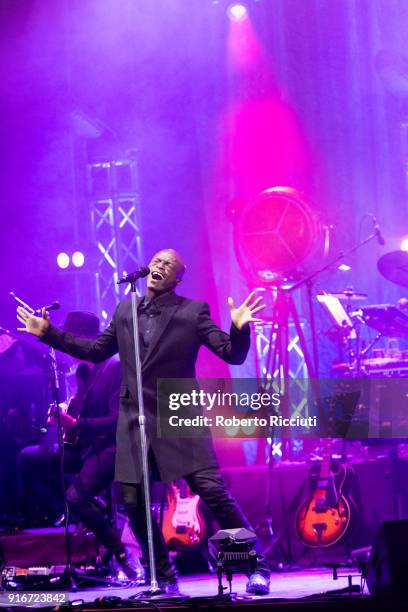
{"points": [[389, 321]]}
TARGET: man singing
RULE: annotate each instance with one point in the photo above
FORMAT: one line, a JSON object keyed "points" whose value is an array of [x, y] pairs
{"points": [[172, 329]]}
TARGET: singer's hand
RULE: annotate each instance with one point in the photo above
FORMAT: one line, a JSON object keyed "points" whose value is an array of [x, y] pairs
{"points": [[36, 326], [244, 314]]}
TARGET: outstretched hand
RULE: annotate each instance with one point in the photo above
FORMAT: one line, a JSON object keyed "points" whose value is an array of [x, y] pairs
{"points": [[36, 326], [244, 314]]}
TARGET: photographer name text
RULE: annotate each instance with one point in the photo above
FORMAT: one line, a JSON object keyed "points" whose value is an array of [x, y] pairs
{"points": [[235, 421]]}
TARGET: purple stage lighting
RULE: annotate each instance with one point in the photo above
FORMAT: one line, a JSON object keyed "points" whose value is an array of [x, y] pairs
{"points": [[78, 259], [63, 260], [404, 244], [237, 11]]}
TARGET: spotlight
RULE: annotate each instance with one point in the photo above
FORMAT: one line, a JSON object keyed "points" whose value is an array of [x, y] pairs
{"points": [[404, 244], [248, 429], [78, 259], [62, 260], [274, 233], [344, 267], [231, 430], [237, 11]]}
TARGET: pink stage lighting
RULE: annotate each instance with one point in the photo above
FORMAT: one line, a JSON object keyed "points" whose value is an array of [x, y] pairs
{"points": [[237, 11], [62, 260], [78, 259], [404, 244]]}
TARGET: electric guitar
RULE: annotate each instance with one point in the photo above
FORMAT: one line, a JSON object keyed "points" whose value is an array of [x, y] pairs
{"points": [[74, 406], [183, 523], [69, 436], [326, 516]]}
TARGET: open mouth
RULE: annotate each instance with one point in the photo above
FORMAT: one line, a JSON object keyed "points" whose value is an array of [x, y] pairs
{"points": [[157, 275]]}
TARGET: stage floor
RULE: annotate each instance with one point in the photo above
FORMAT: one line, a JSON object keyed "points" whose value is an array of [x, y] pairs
{"points": [[293, 585]]}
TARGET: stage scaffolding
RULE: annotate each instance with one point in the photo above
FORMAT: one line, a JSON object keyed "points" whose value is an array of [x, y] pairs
{"points": [[265, 338], [114, 204]]}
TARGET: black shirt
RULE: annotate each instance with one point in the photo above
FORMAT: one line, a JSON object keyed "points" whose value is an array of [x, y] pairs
{"points": [[149, 311]]}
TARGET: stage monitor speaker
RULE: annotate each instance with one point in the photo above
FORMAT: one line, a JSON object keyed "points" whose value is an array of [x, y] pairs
{"points": [[387, 575]]}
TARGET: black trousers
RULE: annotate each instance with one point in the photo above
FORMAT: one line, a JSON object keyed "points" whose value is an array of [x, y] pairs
{"points": [[210, 486], [93, 475]]}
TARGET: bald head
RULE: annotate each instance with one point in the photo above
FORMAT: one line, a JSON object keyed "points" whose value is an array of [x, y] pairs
{"points": [[166, 272], [176, 257]]}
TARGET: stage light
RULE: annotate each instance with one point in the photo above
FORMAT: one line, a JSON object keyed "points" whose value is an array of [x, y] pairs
{"points": [[404, 244], [344, 267], [274, 234], [63, 260], [237, 11], [248, 429], [78, 259], [231, 430]]}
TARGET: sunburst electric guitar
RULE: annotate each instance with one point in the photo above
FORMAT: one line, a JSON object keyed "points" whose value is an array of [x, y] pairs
{"points": [[326, 516]]}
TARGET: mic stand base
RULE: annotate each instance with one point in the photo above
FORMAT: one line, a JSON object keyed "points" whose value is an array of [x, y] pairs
{"points": [[69, 574], [151, 592]]}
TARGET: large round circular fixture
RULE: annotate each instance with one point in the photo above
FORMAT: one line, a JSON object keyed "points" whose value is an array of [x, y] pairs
{"points": [[274, 234]]}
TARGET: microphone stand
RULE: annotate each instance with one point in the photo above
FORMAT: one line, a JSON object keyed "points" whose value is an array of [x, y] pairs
{"points": [[154, 587], [308, 281], [69, 570]]}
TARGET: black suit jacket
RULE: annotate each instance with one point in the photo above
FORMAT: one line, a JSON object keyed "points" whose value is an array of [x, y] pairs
{"points": [[182, 327]]}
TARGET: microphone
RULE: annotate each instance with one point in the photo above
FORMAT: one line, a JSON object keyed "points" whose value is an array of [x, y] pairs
{"points": [[377, 230], [134, 276], [54, 306]]}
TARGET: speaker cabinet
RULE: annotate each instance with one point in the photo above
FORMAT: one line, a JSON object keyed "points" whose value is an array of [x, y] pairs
{"points": [[388, 570]]}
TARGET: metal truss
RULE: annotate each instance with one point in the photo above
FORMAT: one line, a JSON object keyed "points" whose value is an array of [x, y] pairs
{"points": [[265, 336], [115, 216]]}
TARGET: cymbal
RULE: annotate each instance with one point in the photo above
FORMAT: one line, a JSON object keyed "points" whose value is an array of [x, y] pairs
{"points": [[394, 267], [349, 294]]}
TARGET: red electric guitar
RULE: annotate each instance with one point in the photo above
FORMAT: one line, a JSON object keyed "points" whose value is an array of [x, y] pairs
{"points": [[183, 523]]}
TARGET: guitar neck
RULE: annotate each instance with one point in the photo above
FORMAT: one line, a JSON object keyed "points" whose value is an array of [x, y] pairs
{"points": [[182, 487], [326, 458]]}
